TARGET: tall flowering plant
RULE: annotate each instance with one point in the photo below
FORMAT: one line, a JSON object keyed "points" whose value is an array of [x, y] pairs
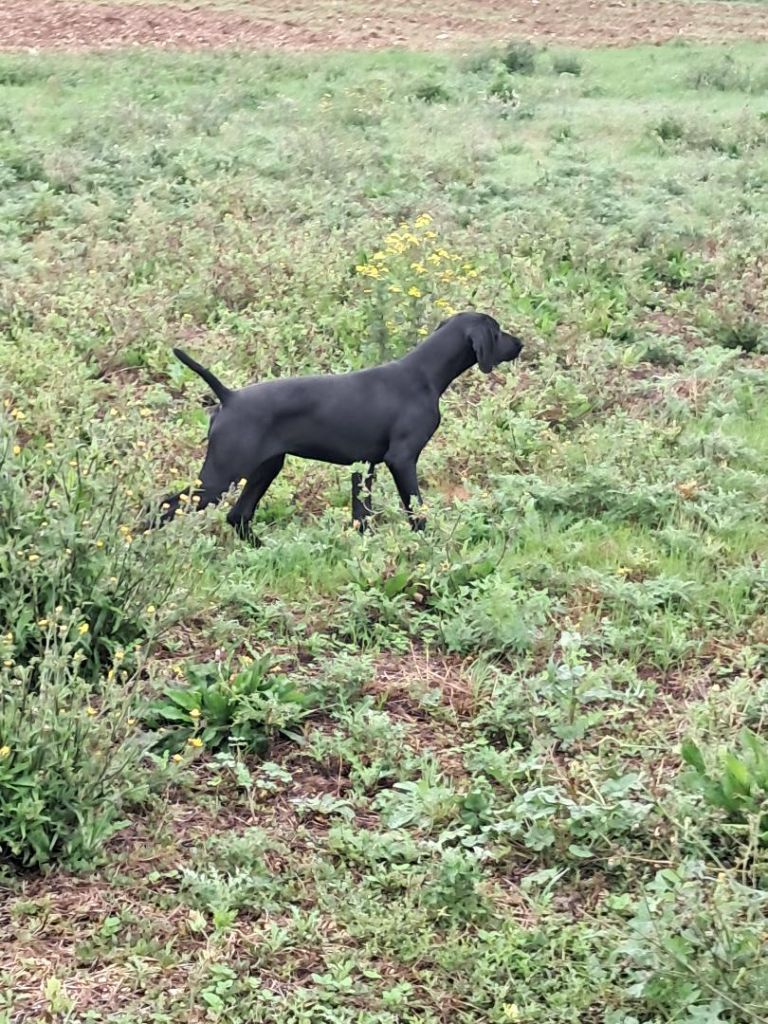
{"points": [[410, 284]]}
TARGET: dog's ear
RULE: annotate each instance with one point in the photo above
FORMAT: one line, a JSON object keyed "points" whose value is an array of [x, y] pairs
{"points": [[485, 339]]}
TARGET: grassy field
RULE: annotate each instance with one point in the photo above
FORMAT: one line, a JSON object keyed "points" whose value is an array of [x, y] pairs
{"points": [[511, 770]]}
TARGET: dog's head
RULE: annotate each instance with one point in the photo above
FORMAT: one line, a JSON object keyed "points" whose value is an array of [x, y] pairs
{"points": [[492, 345]]}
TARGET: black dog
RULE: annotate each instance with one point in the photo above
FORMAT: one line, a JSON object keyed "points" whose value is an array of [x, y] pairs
{"points": [[385, 414]]}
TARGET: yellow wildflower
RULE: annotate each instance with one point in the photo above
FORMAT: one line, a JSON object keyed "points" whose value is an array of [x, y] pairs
{"points": [[145, 412], [194, 713], [42, 623], [195, 741], [83, 628], [91, 711], [119, 654], [17, 449], [150, 609], [367, 270], [5, 751], [422, 221], [34, 558], [177, 758], [414, 292], [99, 543], [8, 638]]}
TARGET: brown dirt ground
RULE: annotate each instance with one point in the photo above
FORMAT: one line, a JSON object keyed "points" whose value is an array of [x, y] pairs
{"points": [[80, 25]]}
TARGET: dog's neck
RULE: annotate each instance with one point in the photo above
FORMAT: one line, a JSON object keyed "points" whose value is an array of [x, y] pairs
{"points": [[441, 359]]}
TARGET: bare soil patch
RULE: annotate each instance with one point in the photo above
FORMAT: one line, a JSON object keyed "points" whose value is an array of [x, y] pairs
{"points": [[80, 25]]}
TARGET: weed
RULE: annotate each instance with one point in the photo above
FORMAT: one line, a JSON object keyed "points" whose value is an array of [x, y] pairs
{"points": [[221, 707], [431, 92], [520, 58], [68, 759], [738, 786], [567, 64]]}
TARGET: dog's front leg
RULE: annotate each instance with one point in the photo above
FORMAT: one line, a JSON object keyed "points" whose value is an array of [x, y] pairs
{"points": [[406, 479]]}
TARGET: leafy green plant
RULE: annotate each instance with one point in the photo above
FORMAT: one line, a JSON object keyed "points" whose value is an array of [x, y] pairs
{"points": [[431, 92], [70, 561], [220, 707], [368, 746], [567, 64], [424, 803], [231, 873], [669, 129], [69, 758], [737, 783], [502, 88], [727, 74], [493, 617], [454, 891], [696, 947], [520, 58]]}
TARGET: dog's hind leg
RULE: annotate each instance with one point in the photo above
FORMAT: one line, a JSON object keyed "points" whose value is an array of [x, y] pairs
{"points": [[361, 505], [258, 482]]}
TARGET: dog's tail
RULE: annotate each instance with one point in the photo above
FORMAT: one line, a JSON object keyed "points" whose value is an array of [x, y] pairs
{"points": [[221, 392]]}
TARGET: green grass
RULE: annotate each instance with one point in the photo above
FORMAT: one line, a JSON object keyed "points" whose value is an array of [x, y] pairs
{"points": [[454, 790]]}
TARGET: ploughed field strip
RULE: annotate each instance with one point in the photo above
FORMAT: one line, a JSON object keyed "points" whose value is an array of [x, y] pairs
{"points": [[445, 24]]}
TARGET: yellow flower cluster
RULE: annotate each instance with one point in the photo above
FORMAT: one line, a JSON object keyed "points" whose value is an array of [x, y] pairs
{"points": [[412, 265]]}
